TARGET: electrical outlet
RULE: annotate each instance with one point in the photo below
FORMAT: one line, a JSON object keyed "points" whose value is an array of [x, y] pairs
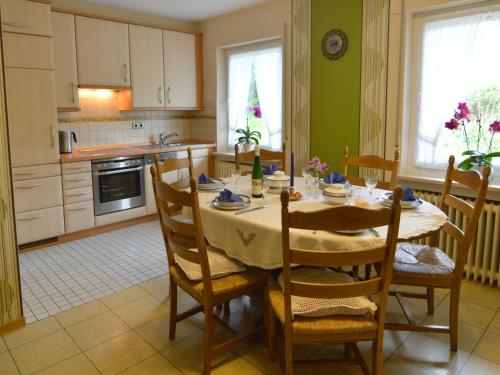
{"points": [[137, 125]]}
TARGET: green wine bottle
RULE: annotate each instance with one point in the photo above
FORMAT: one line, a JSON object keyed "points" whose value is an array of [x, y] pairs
{"points": [[257, 175]]}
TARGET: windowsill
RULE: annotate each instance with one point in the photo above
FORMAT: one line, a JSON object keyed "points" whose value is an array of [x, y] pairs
{"points": [[435, 184]]}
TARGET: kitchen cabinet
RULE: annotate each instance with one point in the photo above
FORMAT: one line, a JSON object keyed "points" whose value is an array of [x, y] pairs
{"points": [[39, 224], [26, 17], [31, 104], [76, 180], [78, 216], [76, 195], [146, 67], [28, 51], [63, 27], [181, 69], [102, 53], [36, 171], [37, 193]]}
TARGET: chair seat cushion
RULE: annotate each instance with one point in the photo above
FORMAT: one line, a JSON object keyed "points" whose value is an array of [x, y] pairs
{"points": [[314, 307], [220, 265], [226, 285], [321, 326], [423, 260]]}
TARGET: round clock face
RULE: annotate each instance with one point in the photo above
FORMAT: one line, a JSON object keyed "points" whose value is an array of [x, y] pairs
{"points": [[334, 44]]}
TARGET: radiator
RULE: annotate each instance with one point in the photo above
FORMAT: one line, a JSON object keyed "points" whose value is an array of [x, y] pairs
{"points": [[483, 259], [225, 168]]}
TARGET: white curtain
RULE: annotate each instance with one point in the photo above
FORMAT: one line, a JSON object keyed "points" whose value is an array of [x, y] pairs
{"points": [[239, 77], [268, 78], [459, 55]]}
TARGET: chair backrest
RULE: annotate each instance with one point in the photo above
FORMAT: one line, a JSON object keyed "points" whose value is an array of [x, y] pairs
{"points": [[340, 218], [372, 162], [479, 186], [180, 234], [265, 155], [170, 165]]}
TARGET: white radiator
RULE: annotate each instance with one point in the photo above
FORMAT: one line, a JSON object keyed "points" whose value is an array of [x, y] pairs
{"points": [[225, 168], [483, 260]]}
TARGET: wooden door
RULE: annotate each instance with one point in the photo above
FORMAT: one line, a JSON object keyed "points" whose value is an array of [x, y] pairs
{"points": [[180, 69], [102, 53], [63, 28], [26, 17], [146, 67], [31, 109]]}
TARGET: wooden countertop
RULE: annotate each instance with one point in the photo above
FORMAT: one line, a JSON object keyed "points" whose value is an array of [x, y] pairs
{"points": [[113, 151]]}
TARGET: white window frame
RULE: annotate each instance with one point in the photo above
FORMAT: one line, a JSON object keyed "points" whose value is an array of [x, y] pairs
{"points": [[223, 54]]}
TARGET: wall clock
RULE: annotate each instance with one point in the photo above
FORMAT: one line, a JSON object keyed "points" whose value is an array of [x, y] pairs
{"points": [[334, 44]]}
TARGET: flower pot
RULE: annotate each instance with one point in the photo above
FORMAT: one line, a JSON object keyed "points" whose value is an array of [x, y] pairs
{"points": [[480, 168], [247, 147]]}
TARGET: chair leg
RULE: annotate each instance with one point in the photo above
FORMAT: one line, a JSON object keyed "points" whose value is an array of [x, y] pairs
{"points": [[227, 309], [377, 357], [173, 309], [207, 340], [271, 331], [288, 353], [454, 304], [430, 301]]}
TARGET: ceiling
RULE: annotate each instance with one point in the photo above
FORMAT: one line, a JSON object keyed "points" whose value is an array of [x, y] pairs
{"points": [[187, 10]]}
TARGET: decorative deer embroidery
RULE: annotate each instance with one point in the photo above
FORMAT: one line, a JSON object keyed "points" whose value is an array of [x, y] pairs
{"points": [[246, 239]]}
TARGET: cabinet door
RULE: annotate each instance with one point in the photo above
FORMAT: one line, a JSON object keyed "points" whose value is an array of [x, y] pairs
{"points": [[146, 66], [63, 27], [200, 166], [28, 51], [31, 107], [180, 70], [39, 224], [102, 53], [26, 17]]}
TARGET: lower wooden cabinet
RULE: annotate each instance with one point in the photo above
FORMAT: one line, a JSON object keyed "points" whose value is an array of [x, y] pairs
{"points": [[37, 193], [76, 180], [39, 224], [79, 216]]}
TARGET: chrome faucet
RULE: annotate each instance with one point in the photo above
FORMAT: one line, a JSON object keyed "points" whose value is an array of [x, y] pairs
{"points": [[165, 137]]}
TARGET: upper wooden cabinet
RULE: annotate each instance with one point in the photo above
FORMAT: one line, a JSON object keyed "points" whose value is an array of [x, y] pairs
{"points": [[181, 69], [28, 51], [26, 17], [102, 53], [146, 67], [31, 109], [63, 27]]}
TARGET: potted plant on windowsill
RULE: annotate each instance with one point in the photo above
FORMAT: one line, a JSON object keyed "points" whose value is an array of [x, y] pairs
{"points": [[480, 151], [250, 137]]}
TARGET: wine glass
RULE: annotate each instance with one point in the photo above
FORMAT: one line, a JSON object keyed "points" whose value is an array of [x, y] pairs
{"points": [[371, 181], [265, 189], [235, 178]]}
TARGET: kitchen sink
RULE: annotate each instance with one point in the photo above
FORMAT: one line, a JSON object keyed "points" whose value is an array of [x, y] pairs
{"points": [[158, 146]]}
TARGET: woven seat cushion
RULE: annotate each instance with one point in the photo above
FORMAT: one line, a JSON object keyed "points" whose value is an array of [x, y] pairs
{"points": [[314, 307], [220, 265], [321, 326], [423, 260], [227, 285]]}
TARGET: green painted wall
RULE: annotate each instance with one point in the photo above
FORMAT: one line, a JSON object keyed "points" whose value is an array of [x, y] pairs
{"points": [[335, 84]]}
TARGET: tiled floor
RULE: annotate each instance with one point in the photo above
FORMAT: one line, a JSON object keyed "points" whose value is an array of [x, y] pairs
{"points": [[61, 277], [127, 333]]}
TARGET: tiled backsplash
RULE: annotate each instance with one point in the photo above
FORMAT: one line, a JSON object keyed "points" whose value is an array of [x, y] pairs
{"points": [[101, 123]]}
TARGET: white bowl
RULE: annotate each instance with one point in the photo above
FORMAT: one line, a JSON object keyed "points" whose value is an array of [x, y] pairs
{"points": [[338, 200], [334, 192]]}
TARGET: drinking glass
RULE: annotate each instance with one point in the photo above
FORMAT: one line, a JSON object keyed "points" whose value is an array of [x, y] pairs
{"points": [[370, 182], [265, 189], [235, 179], [307, 178], [315, 186]]}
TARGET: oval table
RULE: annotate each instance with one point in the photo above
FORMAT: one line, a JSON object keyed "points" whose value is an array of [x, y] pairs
{"points": [[254, 238]]}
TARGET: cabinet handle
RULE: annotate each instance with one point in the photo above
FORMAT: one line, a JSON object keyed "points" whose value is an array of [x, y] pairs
{"points": [[168, 94], [25, 173], [52, 135], [75, 194], [159, 94], [30, 218], [75, 167], [77, 179], [28, 186], [125, 72], [16, 24], [73, 94], [79, 208]]}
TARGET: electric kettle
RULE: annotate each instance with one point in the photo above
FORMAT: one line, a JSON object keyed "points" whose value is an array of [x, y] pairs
{"points": [[66, 141]]}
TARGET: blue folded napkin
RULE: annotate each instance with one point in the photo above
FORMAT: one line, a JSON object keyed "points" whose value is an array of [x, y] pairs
{"points": [[228, 196], [408, 195], [269, 169], [203, 179], [334, 178]]}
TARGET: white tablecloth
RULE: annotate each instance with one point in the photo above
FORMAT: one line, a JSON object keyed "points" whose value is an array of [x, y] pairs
{"points": [[254, 238]]}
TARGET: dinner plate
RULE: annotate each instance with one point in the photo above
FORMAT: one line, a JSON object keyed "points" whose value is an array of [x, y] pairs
{"points": [[215, 186], [384, 200], [354, 231], [230, 206]]}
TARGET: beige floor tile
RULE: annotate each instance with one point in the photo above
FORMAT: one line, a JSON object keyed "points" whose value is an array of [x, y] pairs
{"points": [[432, 354], [469, 313], [141, 311], [489, 347], [478, 366], [480, 294], [44, 352], [156, 365], [156, 332], [393, 339], [184, 300], [3, 347], [236, 365], [32, 332], [7, 365], [120, 353], [81, 313], [96, 330], [187, 355], [396, 365], [158, 283], [495, 324], [324, 368], [124, 296], [468, 335], [77, 365], [394, 313]]}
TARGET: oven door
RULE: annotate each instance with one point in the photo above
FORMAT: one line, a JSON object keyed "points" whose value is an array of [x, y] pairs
{"points": [[118, 189]]}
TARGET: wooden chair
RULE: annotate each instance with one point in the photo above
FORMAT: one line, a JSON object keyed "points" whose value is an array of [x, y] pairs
{"points": [[373, 162], [265, 155], [443, 272], [345, 329], [171, 165], [208, 292]]}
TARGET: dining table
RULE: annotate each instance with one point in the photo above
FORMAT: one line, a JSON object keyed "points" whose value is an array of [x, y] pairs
{"points": [[254, 237]]}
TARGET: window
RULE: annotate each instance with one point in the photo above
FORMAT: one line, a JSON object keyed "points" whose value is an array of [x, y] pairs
{"points": [[454, 57], [251, 94]]}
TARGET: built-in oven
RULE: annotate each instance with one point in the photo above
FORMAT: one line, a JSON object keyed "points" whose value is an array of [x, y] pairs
{"points": [[118, 184]]}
